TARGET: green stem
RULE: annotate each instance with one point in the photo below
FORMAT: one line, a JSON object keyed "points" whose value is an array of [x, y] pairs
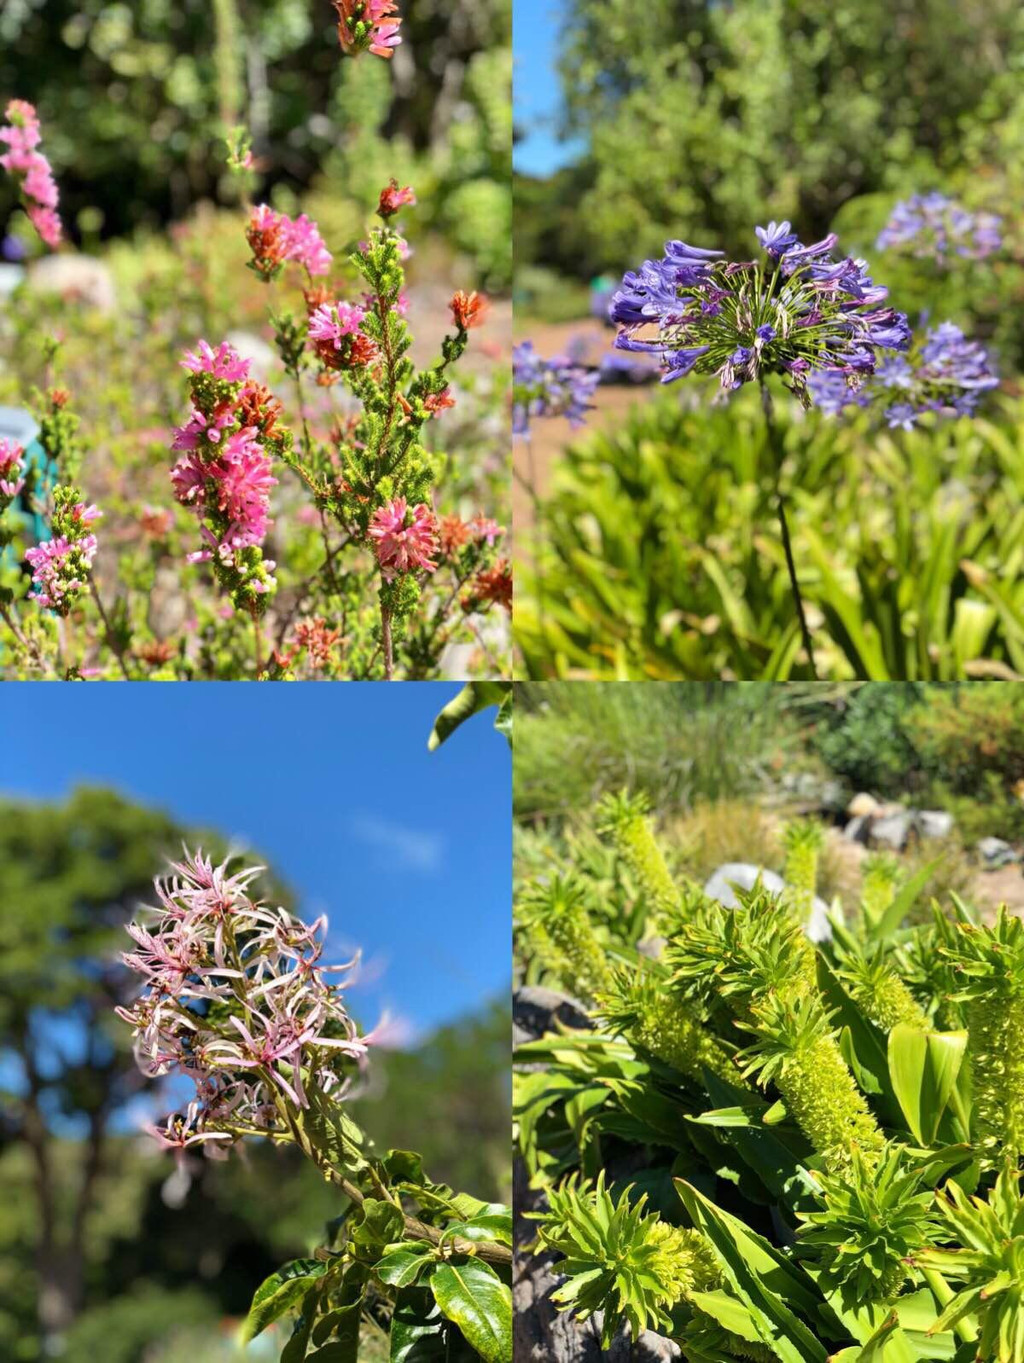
{"points": [[943, 1294], [774, 444]]}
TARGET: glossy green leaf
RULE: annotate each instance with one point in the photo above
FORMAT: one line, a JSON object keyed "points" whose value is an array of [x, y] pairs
{"points": [[488, 1226], [473, 1296], [474, 697], [923, 1067], [417, 1329], [402, 1264], [279, 1293]]}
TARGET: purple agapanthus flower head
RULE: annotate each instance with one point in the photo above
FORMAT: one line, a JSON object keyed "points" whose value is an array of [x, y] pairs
{"points": [[544, 388], [936, 227], [796, 311], [944, 373]]}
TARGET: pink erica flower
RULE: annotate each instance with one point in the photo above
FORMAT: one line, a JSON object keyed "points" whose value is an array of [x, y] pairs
{"points": [[31, 170], [223, 363], [331, 322], [12, 471], [404, 539]]}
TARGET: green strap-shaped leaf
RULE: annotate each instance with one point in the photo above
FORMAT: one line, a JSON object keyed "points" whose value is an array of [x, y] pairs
{"points": [[888, 1345], [279, 1293], [473, 1296], [754, 1272], [924, 1068]]}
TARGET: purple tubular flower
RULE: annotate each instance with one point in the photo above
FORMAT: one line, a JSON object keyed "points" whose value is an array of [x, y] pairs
{"points": [[679, 251], [680, 362], [776, 237]]}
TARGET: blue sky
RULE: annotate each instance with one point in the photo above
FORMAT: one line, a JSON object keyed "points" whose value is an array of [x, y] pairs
{"points": [[408, 852], [537, 92]]}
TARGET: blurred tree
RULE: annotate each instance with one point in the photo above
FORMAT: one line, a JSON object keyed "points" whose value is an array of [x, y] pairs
{"points": [[706, 118], [71, 876], [450, 1099]]}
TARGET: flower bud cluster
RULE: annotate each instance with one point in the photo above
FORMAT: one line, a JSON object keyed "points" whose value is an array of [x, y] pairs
{"points": [[61, 565]]}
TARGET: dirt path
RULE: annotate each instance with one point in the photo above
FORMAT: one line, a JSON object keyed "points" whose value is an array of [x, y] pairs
{"points": [[535, 461]]}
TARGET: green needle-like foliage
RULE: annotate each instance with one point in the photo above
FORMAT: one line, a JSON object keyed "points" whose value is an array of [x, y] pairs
{"points": [[626, 820], [796, 1050], [555, 916], [989, 962], [990, 1264], [879, 992], [803, 840], [641, 1007], [743, 954], [875, 1216], [621, 1260]]}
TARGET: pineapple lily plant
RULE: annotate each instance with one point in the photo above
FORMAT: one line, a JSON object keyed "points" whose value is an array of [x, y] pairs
{"points": [[767, 1148]]}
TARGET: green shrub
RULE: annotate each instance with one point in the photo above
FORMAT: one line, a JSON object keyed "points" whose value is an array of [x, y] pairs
{"points": [[660, 555]]}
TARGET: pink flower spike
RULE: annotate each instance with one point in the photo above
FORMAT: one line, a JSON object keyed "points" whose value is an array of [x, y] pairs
{"points": [[332, 322]]}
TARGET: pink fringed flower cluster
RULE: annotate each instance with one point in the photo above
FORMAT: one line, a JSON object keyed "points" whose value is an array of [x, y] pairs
{"points": [[224, 473], [61, 566], [12, 472], [275, 239], [32, 170], [367, 26], [235, 997], [404, 538]]}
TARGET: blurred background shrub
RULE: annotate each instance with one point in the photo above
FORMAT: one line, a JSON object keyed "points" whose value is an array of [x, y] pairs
{"points": [[136, 100]]}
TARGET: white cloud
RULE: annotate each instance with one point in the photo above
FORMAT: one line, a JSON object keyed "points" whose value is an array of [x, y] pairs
{"points": [[406, 849]]}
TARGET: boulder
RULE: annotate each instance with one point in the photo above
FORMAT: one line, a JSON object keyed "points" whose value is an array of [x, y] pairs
{"points": [[995, 853], [894, 828], [81, 278], [535, 1010], [858, 829], [744, 875], [934, 823]]}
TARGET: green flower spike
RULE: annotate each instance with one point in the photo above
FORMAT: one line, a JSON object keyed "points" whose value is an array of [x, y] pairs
{"points": [[743, 954], [879, 992], [621, 1260], [641, 1007], [555, 916], [803, 840], [991, 1266], [875, 1216], [626, 820], [796, 1050], [989, 963], [881, 875]]}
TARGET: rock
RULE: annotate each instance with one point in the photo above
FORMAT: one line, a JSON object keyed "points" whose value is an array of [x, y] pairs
{"points": [[535, 1009], [745, 876], [10, 277], [995, 853], [863, 805], [934, 823], [858, 829], [78, 277], [893, 829], [262, 356]]}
